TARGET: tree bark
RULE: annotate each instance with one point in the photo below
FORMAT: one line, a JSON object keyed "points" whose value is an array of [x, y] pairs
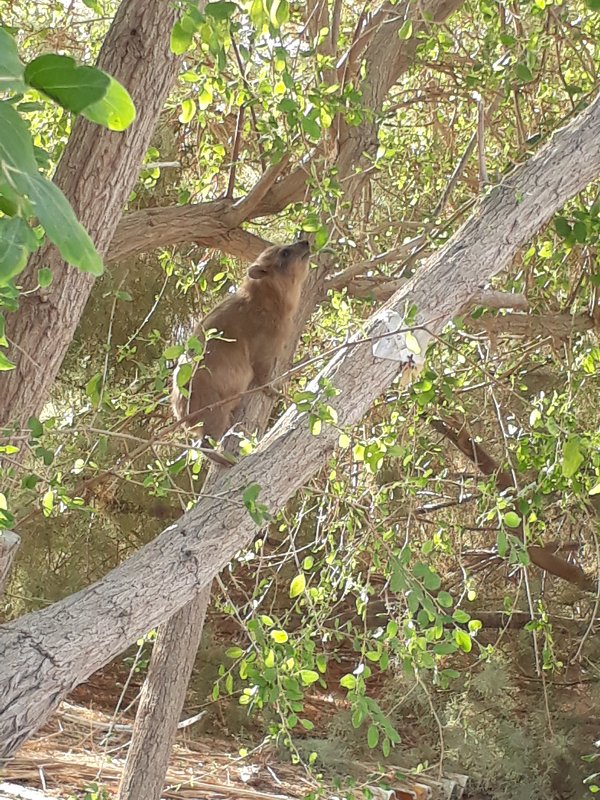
{"points": [[161, 700], [46, 653], [9, 544], [97, 172]]}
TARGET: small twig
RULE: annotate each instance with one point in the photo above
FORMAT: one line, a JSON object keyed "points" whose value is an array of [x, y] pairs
{"points": [[237, 140], [483, 175]]}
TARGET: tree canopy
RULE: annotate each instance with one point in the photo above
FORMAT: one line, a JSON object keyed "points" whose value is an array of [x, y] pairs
{"points": [[439, 542]]}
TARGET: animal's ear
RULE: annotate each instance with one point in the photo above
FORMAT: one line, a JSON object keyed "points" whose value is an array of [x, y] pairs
{"points": [[256, 272]]}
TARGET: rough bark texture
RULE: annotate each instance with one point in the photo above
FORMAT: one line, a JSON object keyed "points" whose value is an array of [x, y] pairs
{"points": [[97, 172], [9, 544], [46, 653], [161, 700]]}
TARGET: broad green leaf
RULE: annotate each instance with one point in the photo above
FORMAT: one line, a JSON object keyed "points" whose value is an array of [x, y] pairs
{"points": [[523, 72], [35, 426], [61, 225], [298, 585], [72, 86], [278, 636], [348, 681], [173, 352], [512, 519], [16, 148], [115, 110], [406, 30], [445, 599], [11, 66], [5, 364], [48, 503], [17, 241], [188, 110], [220, 10], [181, 38], [562, 227], [234, 652], [308, 676], [572, 456], [44, 277], [311, 127], [372, 736], [279, 13], [463, 640]]}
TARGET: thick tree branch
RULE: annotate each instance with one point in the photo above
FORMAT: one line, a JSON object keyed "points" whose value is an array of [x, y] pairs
{"points": [[558, 326], [46, 653]]}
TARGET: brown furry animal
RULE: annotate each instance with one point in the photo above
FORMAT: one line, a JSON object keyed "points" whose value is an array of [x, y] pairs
{"points": [[254, 324]]}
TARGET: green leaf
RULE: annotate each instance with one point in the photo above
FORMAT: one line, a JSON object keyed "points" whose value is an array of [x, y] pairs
{"points": [[221, 10], [502, 543], [580, 232], [72, 86], [61, 225], [406, 30], [16, 148], [523, 72], [188, 110], [251, 493], [11, 66], [181, 38], [307, 724], [512, 519], [298, 585], [348, 681], [311, 127], [5, 364], [234, 652], [93, 388], [572, 456], [172, 353], [562, 227], [115, 110], [279, 13], [463, 640], [124, 296], [35, 426], [44, 277], [595, 489], [461, 616], [184, 374], [593, 5], [17, 241], [445, 599], [48, 503], [279, 636], [373, 736], [308, 676]]}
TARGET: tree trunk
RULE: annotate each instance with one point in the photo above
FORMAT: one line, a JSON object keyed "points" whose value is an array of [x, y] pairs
{"points": [[9, 544], [161, 700], [97, 172], [47, 653]]}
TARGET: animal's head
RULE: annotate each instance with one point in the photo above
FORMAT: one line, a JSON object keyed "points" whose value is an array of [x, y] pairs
{"points": [[286, 265]]}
